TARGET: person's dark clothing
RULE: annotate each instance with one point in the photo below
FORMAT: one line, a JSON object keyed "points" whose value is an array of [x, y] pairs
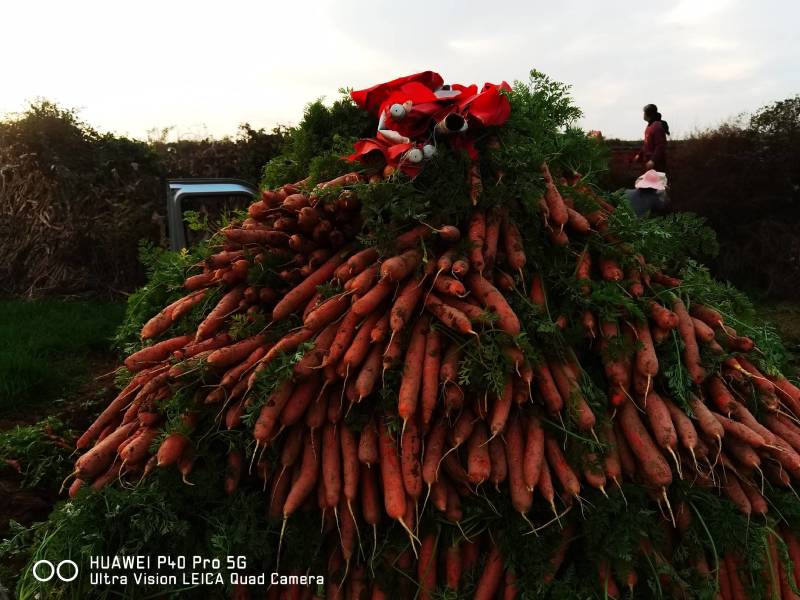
{"points": [[655, 146], [647, 202]]}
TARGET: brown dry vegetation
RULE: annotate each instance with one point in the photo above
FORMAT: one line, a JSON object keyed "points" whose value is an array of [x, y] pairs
{"points": [[74, 203]]}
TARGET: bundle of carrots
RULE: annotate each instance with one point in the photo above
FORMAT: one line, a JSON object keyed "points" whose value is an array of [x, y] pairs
{"points": [[434, 441]]}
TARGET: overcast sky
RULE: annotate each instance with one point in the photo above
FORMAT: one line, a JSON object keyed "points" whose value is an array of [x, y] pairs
{"points": [[205, 67]]}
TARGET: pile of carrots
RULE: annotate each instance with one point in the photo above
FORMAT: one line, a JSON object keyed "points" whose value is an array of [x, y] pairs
{"points": [[413, 312]]}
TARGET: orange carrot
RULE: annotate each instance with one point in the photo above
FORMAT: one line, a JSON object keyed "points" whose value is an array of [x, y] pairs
{"points": [[370, 496], [449, 366], [705, 419], [741, 432], [361, 283], [373, 298], [660, 421], [497, 458], [300, 399], [722, 398], [560, 553], [356, 264], [548, 390], [449, 233], [147, 357], [460, 268], [307, 479], [302, 292], [494, 301], [411, 238], [521, 496], [404, 304], [703, 332], [501, 408], [410, 448], [537, 294], [197, 282], [268, 417], [453, 566], [100, 457], [610, 270], [360, 346], [583, 272], [235, 353], [399, 267], [288, 343], [344, 336], [139, 448], [368, 445], [478, 462], [663, 317], [369, 373], [489, 582], [534, 453], [733, 490], [430, 375], [654, 467], [626, 459], [569, 389], [450, 316], [646, 360], [449, 285], [394, 495], [411, 382], [560, 467], [491, 238], [393, 353], [708, 315], [691, 353], [687, 434], [426, 569], [381, 329], [216, 318], [162, 321], [434, 449], [608, 586], [477, 238], [171, 449], [331, 465], [577, 221], [557, 214], [512, 243], [326, 312], [350, 464]]}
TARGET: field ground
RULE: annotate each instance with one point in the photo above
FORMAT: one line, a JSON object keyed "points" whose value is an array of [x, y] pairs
{"points": [[47, 347], [51, 355]]}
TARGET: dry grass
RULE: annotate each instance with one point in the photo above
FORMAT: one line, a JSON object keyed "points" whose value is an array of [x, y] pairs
{"points": [[74, 204]]}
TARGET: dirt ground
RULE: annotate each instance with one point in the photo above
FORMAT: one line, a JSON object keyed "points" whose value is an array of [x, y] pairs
{"points": [[28, 505]]}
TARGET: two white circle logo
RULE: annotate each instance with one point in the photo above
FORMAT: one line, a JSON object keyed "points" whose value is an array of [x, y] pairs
{"points": [[44, 570]]}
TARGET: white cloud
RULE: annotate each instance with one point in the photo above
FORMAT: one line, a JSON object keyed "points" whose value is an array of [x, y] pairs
{"points": [[695, 12], [730, 70], [205, 64]]}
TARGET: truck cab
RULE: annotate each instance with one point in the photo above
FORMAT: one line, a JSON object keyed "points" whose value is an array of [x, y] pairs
{"points": [[209, 197]]}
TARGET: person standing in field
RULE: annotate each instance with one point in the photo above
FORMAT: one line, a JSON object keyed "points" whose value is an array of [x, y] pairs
{"points": [[654, 150]]}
